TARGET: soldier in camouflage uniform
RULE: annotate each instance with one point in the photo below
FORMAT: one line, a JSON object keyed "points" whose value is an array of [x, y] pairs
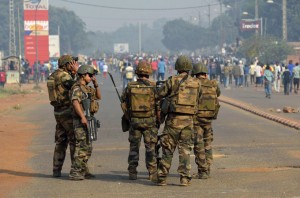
{"points": [[183, 92], [139, 98], [79, 92], [207, 111], [59, 83]]}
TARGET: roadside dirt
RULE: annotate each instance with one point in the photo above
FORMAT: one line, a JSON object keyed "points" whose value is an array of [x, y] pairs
{"points": [[16, 135]]}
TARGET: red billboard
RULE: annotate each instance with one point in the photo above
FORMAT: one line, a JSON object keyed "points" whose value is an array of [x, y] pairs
{"points": [[36, 29]]}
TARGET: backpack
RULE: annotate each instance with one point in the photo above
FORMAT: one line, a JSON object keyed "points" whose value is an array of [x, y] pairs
{"points": [[209, 103], [51, 88], [142, 100], [186, 100]]}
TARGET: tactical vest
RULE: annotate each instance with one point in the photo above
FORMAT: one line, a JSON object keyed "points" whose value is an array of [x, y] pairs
{"points": [[208, 103], [186, 99], [58, 94], [90, 94], [141, 99]]}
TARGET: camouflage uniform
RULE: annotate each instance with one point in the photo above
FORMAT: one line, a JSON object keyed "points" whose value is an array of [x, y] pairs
{"points": [[178, 130], [143, 125], [64, 133], [204, 132], [83, 149]]}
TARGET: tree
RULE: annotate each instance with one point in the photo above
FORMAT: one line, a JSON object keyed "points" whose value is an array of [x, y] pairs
{"points": [[73, 36], [268, 49]]}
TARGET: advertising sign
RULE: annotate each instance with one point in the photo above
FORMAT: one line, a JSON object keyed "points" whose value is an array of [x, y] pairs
{"points": [[36, 31], [54, 48], [121, 48], [249, 24]]}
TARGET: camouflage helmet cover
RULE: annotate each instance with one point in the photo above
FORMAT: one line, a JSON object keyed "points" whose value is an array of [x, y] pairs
{"points": [[199, 68], [64, 59], [183, 63], [86, 69], [143, 68]]}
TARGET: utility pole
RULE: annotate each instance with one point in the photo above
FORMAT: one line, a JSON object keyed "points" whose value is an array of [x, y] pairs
{"points": [[284, 25], [208, 14], [256, 15], [221, 26], [140, 38], [12, 36]]}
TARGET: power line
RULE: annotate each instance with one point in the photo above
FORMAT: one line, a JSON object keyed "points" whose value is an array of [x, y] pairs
{"points": [[143, 9]]}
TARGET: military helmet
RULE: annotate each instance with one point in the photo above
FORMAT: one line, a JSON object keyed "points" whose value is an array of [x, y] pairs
{"points": [[199, 68], [63, 60], [143, 68], [183, 63], [86, 69]]}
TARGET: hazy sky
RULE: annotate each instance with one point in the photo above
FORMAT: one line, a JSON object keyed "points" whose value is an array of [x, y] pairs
{"points": [[105, 19]]}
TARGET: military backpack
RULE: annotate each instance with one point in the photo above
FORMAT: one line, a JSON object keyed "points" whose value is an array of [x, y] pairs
{"points": [[142, 100], [209, 103]]}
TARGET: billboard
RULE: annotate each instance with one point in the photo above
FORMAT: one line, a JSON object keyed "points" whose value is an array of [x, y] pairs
{"points": [[54, 49], [121, 48], [36, 31], [250, 24]]}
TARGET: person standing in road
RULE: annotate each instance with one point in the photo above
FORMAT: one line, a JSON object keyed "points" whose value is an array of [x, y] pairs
{"points": [[207, 111], [140, 102], [154, 66], [183, 93], [59, 83], [268, 80], [286, 80], [296, 77], [81, 91], [252, 73], [291, 67], [277, 75], [161, 69]]}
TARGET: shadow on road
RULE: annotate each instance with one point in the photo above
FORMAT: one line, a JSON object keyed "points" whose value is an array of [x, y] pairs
{"points": [[24, 174]]}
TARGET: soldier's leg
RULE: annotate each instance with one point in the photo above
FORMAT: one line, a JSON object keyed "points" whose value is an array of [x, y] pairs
{"points": [[168, 141], [150, 141], [133, 159], [208, 138], [81, 154], [199, 152], [61, 144], [185, 144], [68, 126]]}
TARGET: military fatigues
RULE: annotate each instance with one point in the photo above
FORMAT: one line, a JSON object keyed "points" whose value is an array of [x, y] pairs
{"points": [[203, 127], [83, 149], [140, 102], [64, 133], [178, 130]]}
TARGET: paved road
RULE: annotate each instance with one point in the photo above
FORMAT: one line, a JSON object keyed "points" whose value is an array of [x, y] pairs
{"points": [[254, 157]]}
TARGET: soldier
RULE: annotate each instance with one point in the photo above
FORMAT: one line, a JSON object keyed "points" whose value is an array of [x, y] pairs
{"points": [[181, 93], [59, 83], [139, 98], [80, 92], [207, 111]]}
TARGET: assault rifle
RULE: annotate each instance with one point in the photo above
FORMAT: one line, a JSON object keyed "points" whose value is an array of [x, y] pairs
{"points": [[125, 117], [93, 123]]}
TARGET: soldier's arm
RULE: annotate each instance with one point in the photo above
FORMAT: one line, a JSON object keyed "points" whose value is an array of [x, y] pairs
{"points": [[67, 81], [79, 111]]}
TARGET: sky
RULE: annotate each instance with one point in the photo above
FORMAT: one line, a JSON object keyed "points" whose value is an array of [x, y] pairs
{"points": [[98, 17]]}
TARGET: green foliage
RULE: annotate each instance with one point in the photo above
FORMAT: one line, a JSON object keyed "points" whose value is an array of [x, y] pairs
{"points": [[73, 36], [4, 92], [267, 49]]}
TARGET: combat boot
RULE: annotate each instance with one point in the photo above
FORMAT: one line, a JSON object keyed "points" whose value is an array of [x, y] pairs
{"points": [[88, 174], [76, 176], [184, 181], [153, 177], [161, 181], [132, 176], [200, 175], [56, 173]]}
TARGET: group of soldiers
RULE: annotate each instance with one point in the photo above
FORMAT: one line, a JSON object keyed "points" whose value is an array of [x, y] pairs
{"points": [[68, 93], [187, 104]]}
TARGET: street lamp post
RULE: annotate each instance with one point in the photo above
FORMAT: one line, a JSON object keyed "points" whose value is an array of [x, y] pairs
{"points": [[36, 45], [284, 20]]}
